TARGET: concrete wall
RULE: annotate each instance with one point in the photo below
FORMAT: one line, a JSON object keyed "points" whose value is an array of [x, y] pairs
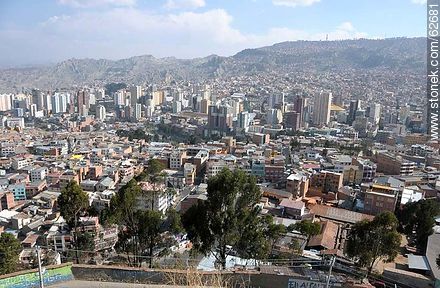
{"points": [[30, 278], [179, 277]]}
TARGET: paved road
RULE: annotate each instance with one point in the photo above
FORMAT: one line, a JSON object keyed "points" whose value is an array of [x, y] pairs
{"points": [[91, 284]]}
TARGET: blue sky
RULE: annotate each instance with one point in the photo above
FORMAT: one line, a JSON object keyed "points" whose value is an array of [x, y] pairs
{"points": [[45, 31]]}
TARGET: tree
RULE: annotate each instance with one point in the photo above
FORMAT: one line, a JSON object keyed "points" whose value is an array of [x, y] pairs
{"points": [[150, 223], [73, 201], [9, 250], [123, 207], [437, 261], [226, 216], [173, 222], [307, 228], [155, 176], [368, 241], [418, 219]]}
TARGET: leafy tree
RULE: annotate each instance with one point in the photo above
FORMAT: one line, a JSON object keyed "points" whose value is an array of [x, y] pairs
{"points": [[226, 217], [368, 241], [85, 242], [173, 222], [307, 228], [9, 250], [123, 207], [418, 219], [73, 201], [150, 223]]}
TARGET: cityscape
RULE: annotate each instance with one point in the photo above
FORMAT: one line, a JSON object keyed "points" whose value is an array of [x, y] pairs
{"points": [[304, 163]]}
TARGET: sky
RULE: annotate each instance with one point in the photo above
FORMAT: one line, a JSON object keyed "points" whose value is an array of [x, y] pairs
{"points": [[48, 31]]}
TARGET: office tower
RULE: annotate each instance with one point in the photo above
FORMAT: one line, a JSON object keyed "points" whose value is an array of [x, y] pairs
{"points": [[374, 114], [47, 103], [157, 98], [178, 95], [5, 102], [135, 94], [276, 101], [100, 112], [244, 121], [119, 98], [204, 105], [299, 106], [205, 92], [321, 108], [138, 111], [355, 105], [56, 103], [177, 106], [18, 112], [292, 120], [33, 109], [82, 100], [100, 93], [59, 103], [219, 119], [274, 116]]}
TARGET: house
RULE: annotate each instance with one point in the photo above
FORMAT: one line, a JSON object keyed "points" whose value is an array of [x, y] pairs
{"points": [[293, 208]]}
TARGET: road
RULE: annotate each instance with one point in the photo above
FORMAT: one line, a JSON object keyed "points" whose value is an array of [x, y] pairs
{"points": [[92, 284]]}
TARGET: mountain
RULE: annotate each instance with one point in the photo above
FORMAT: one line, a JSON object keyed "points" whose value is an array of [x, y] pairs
{"points": [[397, 54]]}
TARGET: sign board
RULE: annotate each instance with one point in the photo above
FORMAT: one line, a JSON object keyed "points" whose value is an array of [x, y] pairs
{"points": [[298, 283]]}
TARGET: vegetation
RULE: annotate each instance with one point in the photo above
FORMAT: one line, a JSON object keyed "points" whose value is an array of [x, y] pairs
{"points": [[369, 241], [417, 220], [113, 87], [73, 202], [10, 248], [307, 228], [142, 230], [229, 219], [138, 134]]}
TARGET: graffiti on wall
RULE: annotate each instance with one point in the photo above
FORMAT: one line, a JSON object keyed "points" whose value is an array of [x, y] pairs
{"points": [[31, 280]]}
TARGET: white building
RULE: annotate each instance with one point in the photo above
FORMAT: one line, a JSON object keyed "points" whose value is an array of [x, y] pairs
{"points": [[321, 108]]}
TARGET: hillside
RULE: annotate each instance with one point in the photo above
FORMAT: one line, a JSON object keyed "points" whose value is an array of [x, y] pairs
{"points": [[398, 54]]}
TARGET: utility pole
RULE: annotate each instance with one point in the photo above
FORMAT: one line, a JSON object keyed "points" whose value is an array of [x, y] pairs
{"points": [[40, 273], [332, 262]]}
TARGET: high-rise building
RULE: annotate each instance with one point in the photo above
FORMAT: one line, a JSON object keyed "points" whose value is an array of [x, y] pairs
{"points": [[299, 106], [135, 94], [204, 105], [219, 119], [274, 116], [292, 120], [321, 108], [100, 112], [177, 106], [138, 111], [5, 102], [82, 100], [374, 114], [119, 98], [355, 105]]}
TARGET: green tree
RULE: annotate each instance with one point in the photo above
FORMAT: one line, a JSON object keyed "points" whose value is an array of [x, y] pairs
{"points": [[418, 219], [226, 215], [173, 222], [9, 250], [150, 223], [369, 241], [123, 207], [307, 228], [72, 202]]}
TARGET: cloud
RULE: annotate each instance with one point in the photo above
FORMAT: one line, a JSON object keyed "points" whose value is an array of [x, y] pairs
{"points": [[421, 2], [184, 4], [294, 3], [96, 3], [122, 32]]}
